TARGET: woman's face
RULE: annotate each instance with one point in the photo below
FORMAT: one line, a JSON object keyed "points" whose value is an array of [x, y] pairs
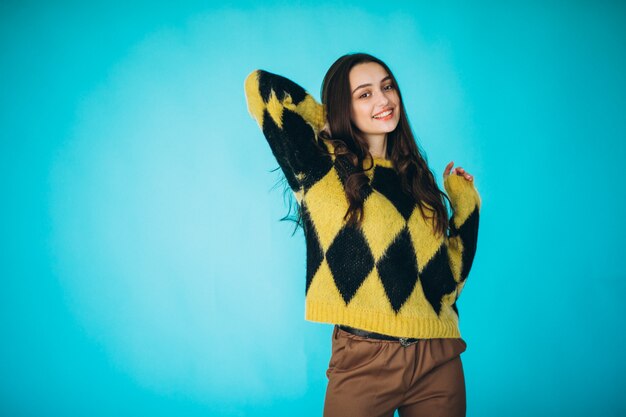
{"points": [[375, 101]]}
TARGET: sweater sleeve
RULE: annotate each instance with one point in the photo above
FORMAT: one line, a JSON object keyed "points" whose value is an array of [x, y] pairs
{"points": [[462, 239], [290, 119]]}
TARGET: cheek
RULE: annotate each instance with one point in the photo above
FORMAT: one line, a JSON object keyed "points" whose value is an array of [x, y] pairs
{"points": [[360, 114], [398, 107]]}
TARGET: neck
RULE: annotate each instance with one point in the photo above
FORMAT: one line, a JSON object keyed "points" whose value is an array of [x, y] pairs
{"points": [[377, 145]]}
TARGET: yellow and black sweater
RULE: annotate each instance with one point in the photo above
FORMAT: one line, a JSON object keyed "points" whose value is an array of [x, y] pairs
{"points": [[393, 275]]}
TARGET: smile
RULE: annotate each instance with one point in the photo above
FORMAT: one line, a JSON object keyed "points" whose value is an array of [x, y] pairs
{"points": [[386, 115]]}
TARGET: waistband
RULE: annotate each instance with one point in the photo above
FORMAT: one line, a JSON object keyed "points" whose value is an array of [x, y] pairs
{"points": [[404, 341]]}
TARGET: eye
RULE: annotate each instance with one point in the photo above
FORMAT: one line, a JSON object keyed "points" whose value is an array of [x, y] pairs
{"points": [[388, 87], [363, 95]]}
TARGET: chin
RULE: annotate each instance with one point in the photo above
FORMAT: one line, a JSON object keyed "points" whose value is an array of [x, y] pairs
{"points": [[389, 129]]}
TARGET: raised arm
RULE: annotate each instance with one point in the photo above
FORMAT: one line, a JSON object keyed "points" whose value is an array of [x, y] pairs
{"points": [[463, 235], [290, 119]]}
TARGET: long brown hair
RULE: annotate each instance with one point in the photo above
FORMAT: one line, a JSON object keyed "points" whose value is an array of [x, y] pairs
{"points": [[416, 178]]}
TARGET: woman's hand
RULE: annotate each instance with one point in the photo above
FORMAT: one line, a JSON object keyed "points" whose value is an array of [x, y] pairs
{"points": [[457, 171]]}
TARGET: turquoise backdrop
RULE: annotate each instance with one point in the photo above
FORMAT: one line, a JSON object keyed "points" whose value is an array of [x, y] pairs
{"points": [[143, 265]]}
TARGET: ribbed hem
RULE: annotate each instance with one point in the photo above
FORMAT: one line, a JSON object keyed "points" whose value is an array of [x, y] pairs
{"points": [[378, 322]]}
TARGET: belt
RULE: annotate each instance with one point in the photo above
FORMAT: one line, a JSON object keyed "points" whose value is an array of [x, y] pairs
{"points": [[404, 341]]}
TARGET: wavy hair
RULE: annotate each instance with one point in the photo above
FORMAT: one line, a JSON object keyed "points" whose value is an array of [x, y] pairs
{"points": [[348, 141]]}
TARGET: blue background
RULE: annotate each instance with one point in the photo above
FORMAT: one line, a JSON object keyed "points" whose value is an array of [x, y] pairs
{"points": [[143, 266]]}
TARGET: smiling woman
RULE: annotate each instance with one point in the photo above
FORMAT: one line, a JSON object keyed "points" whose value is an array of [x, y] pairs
{"points": [[384, 263], [375, 105]]}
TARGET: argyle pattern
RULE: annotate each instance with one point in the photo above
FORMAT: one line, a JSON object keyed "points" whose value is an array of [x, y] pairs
{"points": [[392, 275]]}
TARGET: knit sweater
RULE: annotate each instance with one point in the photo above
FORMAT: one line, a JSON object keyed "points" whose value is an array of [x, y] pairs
{"points": [[391, 275]]}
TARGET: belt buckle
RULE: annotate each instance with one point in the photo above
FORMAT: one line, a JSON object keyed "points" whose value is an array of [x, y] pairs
{"points": [[404, 342]]}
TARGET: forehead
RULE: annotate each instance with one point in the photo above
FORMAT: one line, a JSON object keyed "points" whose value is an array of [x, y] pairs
{"points": [[368, 72]]}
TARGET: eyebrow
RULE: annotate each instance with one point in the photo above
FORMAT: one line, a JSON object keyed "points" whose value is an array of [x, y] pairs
{"points": [[368, 84]]}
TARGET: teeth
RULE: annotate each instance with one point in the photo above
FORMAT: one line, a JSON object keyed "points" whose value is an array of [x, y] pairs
{"points": [[387, 113]]}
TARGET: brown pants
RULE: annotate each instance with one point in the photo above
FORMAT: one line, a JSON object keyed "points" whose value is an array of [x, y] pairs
{"points": [[373, 378]]}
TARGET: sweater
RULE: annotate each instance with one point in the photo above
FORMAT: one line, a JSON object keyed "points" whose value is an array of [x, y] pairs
{"points": [[393, 274]]}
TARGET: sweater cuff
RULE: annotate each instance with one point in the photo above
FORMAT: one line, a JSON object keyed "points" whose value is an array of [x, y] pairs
{"points": [[463, 196]]}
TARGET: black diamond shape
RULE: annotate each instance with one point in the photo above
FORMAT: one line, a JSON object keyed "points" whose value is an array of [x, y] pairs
{"points": [[281, 86], [299, 143], [350, 260], [437, 279], [387, 182], [398, 269], [295, 149], [314, 253], [276, 139], [468, 232]]}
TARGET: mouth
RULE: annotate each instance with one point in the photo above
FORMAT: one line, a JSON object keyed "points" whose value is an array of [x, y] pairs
{"points": [[384, 115]]}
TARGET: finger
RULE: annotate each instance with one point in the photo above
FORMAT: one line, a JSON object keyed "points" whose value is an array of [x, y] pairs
{"points": [[446, 172], [460, 171]]}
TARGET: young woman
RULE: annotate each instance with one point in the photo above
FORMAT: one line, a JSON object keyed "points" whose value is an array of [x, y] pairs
{"points": [[385, 264]]}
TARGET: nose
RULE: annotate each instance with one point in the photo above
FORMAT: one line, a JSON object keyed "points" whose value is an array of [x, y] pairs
{"points": [[383, 100]]}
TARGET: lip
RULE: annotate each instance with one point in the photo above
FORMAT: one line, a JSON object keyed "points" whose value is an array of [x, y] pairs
{"points": [[383, 111]]}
